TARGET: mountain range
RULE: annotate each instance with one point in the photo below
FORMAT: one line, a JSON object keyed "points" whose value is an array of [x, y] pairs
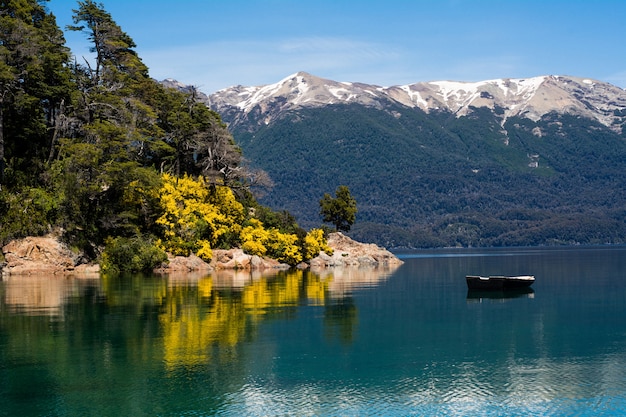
{"points": [[532, 98], [535, 161]]}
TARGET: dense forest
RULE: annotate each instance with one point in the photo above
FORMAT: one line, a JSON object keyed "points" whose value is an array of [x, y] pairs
{"points": [[120, 167]]}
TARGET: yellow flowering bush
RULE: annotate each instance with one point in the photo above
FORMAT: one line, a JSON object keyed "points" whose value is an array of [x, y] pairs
{"points": [[198, 217], [204, 250], [284, 247], [314, 243], [256, 240], [195, 215], [253, 238]]}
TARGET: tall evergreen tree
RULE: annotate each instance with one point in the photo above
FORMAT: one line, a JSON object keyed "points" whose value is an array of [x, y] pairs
{"points": [[34, 88], [103, 160], [112, 46]]}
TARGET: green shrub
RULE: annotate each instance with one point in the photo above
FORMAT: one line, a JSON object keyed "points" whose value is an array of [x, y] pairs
{"points": [[136, 254]]}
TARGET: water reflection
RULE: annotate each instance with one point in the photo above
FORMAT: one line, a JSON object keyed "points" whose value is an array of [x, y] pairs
{"points": [[341, 282], [38, 295], [480, 295], [198, 316], [225, 308], [341, 342], [340, 320]]}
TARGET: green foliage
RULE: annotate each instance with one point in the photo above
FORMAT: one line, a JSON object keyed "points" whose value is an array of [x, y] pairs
{"points": [[281, 220], [115, 57], [34, 85], [135, 254], [30, 211], [341, 210]]}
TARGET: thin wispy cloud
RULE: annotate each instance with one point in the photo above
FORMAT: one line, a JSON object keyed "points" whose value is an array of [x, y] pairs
{"points": [[217, 65]]}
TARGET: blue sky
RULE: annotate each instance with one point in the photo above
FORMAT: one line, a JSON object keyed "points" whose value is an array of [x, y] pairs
{"points": [[217, 44]]}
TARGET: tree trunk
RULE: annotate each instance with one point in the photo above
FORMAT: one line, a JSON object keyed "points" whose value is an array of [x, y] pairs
{"points": [[2, 161], [58, 124]]}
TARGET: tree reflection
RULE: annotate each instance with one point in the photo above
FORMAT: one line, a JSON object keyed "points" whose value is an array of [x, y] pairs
{"points": [[194, 318], [340, 320]]}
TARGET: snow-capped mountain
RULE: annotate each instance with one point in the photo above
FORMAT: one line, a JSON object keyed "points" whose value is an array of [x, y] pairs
{"points": [[530, 97]]}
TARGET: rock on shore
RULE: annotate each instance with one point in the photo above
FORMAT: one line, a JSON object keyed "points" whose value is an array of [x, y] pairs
{"points": [[348, 252]]}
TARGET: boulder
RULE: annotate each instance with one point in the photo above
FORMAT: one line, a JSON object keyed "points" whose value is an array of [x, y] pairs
{"points": [[230, 259], [43, 255], [184, 264], [237, 259]]}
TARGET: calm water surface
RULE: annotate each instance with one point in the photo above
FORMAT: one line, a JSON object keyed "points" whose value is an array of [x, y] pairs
{"points": [[409, 341]]}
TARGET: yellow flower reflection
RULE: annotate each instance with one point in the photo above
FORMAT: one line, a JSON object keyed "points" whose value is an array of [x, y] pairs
{"points": [[203, 317], [194, 319]]}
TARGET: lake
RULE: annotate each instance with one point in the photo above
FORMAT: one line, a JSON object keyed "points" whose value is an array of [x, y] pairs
{"points": [[351, 342]]}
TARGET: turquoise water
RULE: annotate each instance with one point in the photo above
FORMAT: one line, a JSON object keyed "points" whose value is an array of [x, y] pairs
{"points": [[406, 342]]}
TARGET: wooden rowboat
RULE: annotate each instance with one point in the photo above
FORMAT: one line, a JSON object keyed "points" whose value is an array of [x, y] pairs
{"points": [[498, 282]]}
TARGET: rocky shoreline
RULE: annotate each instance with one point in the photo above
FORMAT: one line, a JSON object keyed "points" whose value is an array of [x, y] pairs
{"points": [[47, 255]]}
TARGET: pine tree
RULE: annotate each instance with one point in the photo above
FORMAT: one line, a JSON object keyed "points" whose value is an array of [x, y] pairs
{"points": [[341, 210]]}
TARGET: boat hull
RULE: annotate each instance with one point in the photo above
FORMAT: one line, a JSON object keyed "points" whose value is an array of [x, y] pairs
{"points": [[476, 282]]}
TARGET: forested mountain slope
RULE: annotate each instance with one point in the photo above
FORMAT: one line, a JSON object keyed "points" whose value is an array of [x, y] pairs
{"points": [[473, 174]]}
